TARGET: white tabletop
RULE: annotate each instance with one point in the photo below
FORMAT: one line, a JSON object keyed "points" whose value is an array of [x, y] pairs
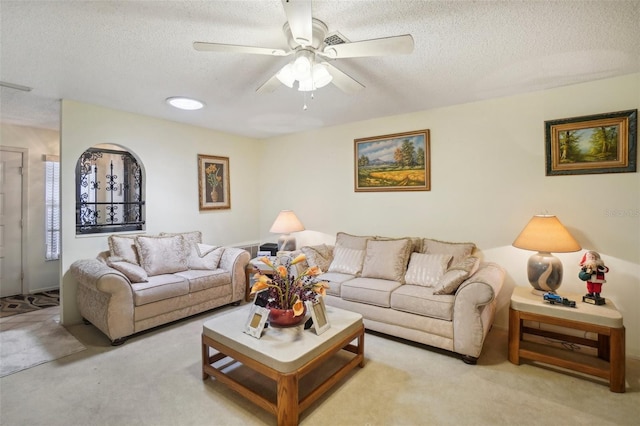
{"points": [[283, 349], [607, 315]]}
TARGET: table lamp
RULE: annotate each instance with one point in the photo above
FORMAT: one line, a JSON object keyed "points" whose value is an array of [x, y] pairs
{"points": [[545, 234], [285, 223]]}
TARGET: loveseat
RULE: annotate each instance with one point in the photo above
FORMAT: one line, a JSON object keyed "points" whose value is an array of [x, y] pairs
{"points": [[143, 281], [432, 292]]}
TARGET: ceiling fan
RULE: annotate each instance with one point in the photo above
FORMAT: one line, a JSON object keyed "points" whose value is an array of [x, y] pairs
{"points": [[311, 49]]}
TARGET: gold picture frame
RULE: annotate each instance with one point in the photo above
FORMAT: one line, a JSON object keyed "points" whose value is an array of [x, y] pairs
{"points": [[396, 162], [213, 182], [603, 143]]}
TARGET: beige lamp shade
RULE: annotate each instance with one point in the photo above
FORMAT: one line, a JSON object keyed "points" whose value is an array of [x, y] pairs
{"points": [[285, 223], [547, 234]]}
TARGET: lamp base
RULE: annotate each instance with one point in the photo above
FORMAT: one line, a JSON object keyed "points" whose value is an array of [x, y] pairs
{"points": [[286, 243], [544, 272]]}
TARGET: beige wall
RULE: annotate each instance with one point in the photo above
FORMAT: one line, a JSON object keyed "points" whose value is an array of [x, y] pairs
{"points": [[487, 179], [39, 274], [168, 152], [487, 171]]}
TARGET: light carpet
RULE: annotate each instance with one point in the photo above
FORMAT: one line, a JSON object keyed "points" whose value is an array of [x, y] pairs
{"points": [[33, 338], [155, 379]]}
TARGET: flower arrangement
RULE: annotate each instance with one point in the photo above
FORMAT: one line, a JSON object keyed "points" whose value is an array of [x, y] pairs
{"points": [[212, 176], [287, 291]]}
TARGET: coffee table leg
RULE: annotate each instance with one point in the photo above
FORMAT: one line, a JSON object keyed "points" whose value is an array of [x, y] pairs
{"points": [[361, 348], [288, 399], [205, 359]]}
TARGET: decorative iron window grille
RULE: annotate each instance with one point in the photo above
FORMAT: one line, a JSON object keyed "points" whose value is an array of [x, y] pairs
{"points": [[109, 192]]}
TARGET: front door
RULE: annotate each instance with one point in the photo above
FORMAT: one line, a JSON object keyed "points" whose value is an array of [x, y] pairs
{"points": [[10, 222]]}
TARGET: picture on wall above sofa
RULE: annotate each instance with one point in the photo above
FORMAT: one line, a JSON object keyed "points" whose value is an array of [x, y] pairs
{"points": [[213, 182], [603, 143], [397, 162]]}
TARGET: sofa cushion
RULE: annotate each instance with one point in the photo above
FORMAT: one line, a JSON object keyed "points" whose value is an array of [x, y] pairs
{"points": [[204, 256], [124, 246], [190, 241], [416, 242], [451, 280], [335, 280], [135, 273], [372, 291], [161, 255], [386, 259], [320, 256], [159, 287], [458, 250], [421, 300], [202, 279], [426, 269], [352, 241], [346, 260]]}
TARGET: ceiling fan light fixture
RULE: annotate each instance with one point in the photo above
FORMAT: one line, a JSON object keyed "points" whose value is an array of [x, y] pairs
{"points": [[302, 64], [285, 75], [321, 76], [183, 103]]}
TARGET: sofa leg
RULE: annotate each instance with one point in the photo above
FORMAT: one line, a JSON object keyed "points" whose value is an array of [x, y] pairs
{"points": [[237, 303], [118, 341], [86, 321], [468, 359]]}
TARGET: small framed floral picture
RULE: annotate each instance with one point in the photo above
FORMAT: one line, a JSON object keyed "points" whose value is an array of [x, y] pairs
{"points": [[213, 182]]}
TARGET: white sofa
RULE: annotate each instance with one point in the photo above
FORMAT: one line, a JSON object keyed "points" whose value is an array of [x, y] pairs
{"points": [[144, 281], [432, 292]]}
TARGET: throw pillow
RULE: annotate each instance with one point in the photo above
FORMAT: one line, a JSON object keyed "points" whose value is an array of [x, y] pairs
{"points": [[162, 255], [458, 250], [386, 259], [190, 239], [456, 275], [351, 241], [346, 261], [207, 257], [133, 272], [124, 246], [320, 256], [426, 269]]}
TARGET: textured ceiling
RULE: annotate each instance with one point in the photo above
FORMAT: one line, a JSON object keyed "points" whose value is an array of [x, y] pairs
{"points": [[132, 55]]}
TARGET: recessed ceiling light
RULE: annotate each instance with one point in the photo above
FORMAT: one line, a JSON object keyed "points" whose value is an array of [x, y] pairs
{"points": [[181, 102]]}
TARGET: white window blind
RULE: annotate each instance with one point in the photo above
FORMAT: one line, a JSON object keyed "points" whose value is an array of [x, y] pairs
{"points": [[52, 203]]}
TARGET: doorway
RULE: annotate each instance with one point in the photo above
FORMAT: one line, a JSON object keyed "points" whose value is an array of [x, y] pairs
{"points": [[11, 220]]}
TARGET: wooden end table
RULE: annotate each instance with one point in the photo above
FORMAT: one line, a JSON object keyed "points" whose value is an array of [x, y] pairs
{"points": [[605, 321], [284, 355], [253, 267]]}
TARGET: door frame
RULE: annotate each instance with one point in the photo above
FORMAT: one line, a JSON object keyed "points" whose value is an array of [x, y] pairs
{"points": [[23, 220]]}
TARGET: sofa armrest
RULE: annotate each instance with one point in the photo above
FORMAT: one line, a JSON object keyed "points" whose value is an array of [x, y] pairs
{"points": [[235, 260], [474, 308], [104, 297]]}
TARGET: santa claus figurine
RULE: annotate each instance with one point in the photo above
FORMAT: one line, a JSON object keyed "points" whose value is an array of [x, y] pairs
{"points": [[592, 270]]}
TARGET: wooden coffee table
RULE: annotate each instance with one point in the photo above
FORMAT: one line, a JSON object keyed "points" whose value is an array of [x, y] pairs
{"points": [[284, 355]]}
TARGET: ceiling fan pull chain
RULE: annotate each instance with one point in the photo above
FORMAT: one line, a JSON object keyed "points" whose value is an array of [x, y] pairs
{"points": [[304, 104]]}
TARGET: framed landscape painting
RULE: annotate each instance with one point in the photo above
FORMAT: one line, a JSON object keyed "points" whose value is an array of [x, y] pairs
{"points": [[604, 143], [213, 182], [397, 162]]}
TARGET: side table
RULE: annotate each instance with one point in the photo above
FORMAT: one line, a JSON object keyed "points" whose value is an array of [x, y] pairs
{"points": [[253, 267], [605, 321]]}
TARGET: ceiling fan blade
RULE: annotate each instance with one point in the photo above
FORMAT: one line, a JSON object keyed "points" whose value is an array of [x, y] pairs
{"points": [[343, 81], [234, 48], [299, 17], [396, 45], [270, 85]]}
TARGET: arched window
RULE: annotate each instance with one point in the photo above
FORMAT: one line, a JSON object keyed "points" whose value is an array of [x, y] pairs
{"points": [[109, 191]]}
